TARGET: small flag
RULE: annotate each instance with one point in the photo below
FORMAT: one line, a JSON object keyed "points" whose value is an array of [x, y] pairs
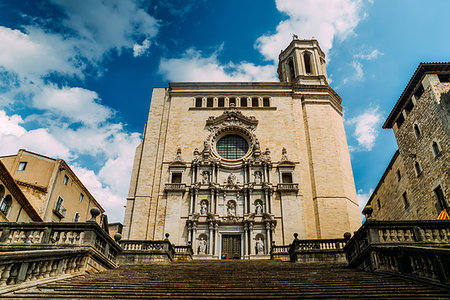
{"points": [[443, 215]]}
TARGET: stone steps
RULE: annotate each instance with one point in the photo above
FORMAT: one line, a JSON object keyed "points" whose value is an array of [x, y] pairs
{"points": [[232, 279]]}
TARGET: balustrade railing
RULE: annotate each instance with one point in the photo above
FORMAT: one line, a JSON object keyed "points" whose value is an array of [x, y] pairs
{"points": [[287, 187], [25, 266], [175, 187], [24, 236], [413, 248], [131, 245]]}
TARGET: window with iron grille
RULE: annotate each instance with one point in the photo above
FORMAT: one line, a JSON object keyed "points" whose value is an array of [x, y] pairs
{"points": [[232, 147]]}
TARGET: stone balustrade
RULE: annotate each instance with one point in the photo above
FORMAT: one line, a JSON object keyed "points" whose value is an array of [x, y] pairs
{"points": [[183, 252], [279, 252], [287, 187], [175, 187], [142, 252], [27, 266], [39, 235], [418, 233], [413, 248]]}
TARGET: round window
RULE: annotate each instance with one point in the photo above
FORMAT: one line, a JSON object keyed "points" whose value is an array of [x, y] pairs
{"points": [[232, 147]]}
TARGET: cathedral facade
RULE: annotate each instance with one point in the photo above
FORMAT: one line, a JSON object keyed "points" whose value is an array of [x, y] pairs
{"points": [[231, 168]]}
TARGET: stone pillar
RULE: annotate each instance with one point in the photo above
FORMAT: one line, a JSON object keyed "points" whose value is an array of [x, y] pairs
{"points": [[211, 232], [192, 201], [195, 199], [245, 201], [268, 172], [190, 233], [246, 239], [264, 179], [249, 203], [268, 239], [266, 202], [211, 202], [269, 204], [215, 201], [251, 245], [196, 174], [216, 239], [194, 238]]}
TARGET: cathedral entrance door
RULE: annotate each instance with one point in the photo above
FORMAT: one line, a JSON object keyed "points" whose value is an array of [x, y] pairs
{"points": [[231, 246]]}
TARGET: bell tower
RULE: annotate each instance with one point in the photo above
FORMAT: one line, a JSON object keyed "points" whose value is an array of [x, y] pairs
{"points": [[302, 62]]}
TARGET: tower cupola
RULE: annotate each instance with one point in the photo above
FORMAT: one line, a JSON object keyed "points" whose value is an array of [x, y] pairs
{"points": [[302, 62]]}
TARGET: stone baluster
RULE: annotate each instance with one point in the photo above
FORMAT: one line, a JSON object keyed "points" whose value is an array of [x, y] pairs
{"points": [[4, 272]]}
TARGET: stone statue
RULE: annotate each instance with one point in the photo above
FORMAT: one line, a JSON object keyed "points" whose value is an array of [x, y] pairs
{"points": [[259, 246], [231, 179], [284, 154], [257, 147], [258, 208], [205, 177], [203, 208], [258, 176], [202, 246], [206, 145], [231, 208]]}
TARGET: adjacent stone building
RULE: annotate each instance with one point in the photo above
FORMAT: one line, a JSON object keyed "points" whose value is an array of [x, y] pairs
{"points": [[233, 167], [14, 206], [51, 187], [416, 183]]}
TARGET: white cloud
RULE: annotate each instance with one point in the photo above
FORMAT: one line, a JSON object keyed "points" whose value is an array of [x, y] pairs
{"points": [[194, 66], [76, 104], [139, 50], [323, 19], [369, 56], [103, 25], [362, 200], [109, 200], [13, 137], [34, 54], [357, 65], [366, 128]]}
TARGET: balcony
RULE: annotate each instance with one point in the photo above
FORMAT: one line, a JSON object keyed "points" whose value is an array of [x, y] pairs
{"points": [[287, 187], [60, 211], [175, 187]]}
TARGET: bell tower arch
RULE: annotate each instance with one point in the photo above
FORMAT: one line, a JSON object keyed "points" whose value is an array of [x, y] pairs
{"points": [[302, 60]]}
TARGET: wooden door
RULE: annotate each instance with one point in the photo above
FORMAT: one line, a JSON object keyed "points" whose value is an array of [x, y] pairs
{"points": [[231, 246]]}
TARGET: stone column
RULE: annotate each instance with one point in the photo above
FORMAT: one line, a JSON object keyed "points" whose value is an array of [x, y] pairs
{"points": [[192, 200], [196, 174], [266, 203], [211, 232], [246, 239], [216, 239], [268, 198], [251, 245], [211, 202], [190, 233], [268, 239], [245, 201], [264, 179], [194, 237], [195, 199], [215, 201]]}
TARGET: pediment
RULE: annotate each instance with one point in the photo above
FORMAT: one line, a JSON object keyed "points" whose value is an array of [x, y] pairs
{"points": [[232, 117]]}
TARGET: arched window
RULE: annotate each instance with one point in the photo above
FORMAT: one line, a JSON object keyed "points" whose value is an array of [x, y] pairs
{"points": [[2, 191], [418, 169], [221, 101], [291, 70], [198, 102], [266, 102], [243, 101], [255, 102], [209, 102], [436, 149], [6, 205], [417, 130], [232, 101], [307, 60]]}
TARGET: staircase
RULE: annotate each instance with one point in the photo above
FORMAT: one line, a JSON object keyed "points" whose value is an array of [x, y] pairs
{"points": [[232, 279]]}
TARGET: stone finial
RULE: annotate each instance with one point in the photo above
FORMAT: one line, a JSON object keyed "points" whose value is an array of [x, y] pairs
{"points": [[196, 152], [167, 236], [117, 237], [94, 213], [296, 236], [367, 211], [347, 236]]}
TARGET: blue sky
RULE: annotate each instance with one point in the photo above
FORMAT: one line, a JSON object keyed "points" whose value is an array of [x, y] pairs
{"points": [[76, 76]]}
